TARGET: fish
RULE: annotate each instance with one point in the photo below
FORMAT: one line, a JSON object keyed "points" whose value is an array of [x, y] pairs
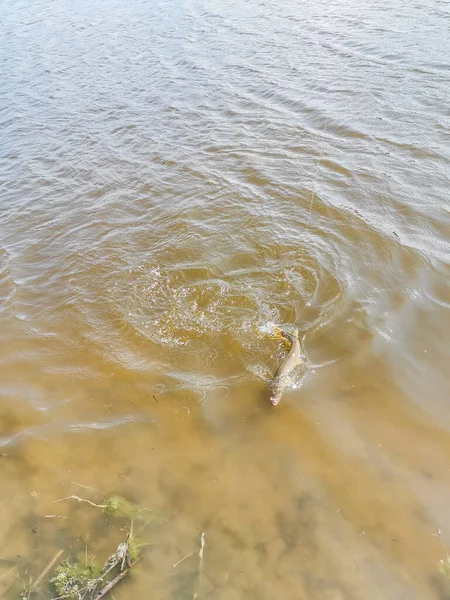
{"points": [[282, 378]]}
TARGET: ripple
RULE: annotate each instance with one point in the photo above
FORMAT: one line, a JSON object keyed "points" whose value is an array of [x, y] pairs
{"points": [[174, 180]]}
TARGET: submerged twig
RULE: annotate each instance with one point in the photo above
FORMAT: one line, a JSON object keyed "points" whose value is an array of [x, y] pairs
{"points": [[86, 487], [200, 566], [121, 555], [8, 571], [202, 548], [438, 535], [113, 582], [38, 581], [182, 559], [444, 566], [118, 507], [80, 500]]}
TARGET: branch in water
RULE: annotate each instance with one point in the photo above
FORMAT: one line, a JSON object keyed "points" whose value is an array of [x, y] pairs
{"points": [[112, 583], [80, 500]]}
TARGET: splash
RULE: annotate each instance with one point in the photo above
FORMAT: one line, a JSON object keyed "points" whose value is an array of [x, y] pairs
{"points": [[171, 310]]}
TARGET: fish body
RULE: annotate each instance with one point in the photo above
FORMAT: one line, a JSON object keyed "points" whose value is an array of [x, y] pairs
{"points": [[282, 377]]}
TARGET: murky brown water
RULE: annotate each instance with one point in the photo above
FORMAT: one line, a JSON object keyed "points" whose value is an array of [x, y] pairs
{"points": [[174, 177]]}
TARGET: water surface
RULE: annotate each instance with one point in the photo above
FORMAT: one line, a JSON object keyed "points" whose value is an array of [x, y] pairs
{"points": [[175, 176]]}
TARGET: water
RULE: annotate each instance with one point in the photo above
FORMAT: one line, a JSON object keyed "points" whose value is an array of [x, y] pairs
{"points": [[175, 176]]}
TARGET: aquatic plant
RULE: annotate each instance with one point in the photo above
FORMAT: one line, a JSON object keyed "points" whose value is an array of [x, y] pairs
{"points": [[133, 549], [75, 581], [118, 506], [82, 580]]}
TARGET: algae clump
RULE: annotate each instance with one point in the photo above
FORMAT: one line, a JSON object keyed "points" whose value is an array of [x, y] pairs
{"points": [[73, 580], [120, 507]]}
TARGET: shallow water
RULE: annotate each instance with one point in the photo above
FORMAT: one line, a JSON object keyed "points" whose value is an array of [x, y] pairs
{"points": [[176, 176]]}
